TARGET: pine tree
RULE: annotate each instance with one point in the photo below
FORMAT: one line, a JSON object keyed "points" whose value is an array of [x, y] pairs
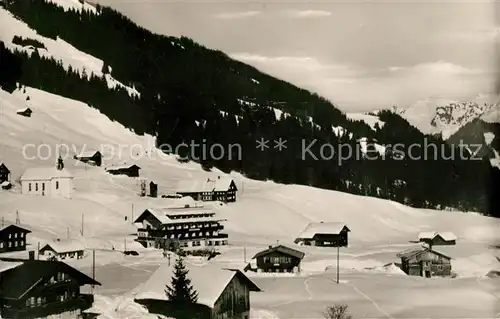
{"points": [[181, 293]]}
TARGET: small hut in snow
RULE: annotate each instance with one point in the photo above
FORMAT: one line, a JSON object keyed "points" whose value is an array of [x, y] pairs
{"points": [[24, 112]]}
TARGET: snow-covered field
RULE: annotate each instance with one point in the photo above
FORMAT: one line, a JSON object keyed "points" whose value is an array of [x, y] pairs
{"points": [[264, 213]]}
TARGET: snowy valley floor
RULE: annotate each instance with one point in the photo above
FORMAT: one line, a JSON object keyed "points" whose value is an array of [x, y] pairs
{"points": [[264, 213]]}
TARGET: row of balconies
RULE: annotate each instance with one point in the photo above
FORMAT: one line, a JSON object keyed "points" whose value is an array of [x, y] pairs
{"points": [[191, 226]]}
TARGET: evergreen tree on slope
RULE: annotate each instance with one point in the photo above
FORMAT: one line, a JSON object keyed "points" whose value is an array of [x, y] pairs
{"points": [[181, 293]]}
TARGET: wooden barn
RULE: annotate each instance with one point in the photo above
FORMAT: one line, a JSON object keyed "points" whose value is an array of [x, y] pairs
{"points": [[222, 293], [71, 249], [128, 170], [425, 262], [4, 173], [329, 234], [278, 259], [13, 238], [24, 112], [437, 238], [90, 157], [219, 189], [32, 288]]}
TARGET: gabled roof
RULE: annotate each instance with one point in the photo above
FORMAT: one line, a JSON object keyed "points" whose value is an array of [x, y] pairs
{"points": [[220, 184], [44, 174], [282, 249], [323, 228], [7, 265], [447, 236], [22, 229], [409, 253], [88, 154], [65, 246], [2, 165], [19, 280], [208, 280]]}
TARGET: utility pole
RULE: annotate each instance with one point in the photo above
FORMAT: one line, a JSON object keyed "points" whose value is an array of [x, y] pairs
{"points": [[81, 231], [38, 254], [245, 253], [3, 222], [338, 249], [168, 258], [18, 220], [124, 244], [93, 267], [68, 232], [132, 219]]}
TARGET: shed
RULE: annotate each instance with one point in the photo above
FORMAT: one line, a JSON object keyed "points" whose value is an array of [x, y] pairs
{"points": [[63, 249], [25, 112], [279, 259], [128, 170], [90, 157], [327, 234], [4, 173], [437, 238], [425, 262]]}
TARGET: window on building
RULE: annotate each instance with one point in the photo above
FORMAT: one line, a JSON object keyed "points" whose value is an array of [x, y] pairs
{"points": [[15, 243], [43, 186], [29, 187], [39, 301], [10, 244], [1, 244], [21, 234], [10, 236], [15, 235], [57, 184], [36, 187]]}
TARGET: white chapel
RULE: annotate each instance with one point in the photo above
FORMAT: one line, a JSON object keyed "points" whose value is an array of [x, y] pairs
{"points": [[48, 181]]}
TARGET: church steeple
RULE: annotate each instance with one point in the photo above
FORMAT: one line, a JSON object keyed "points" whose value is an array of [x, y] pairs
{"points": [[60, 164]]}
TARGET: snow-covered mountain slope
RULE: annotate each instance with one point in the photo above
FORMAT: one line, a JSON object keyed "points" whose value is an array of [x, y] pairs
{"points": [[438, 115], [264, 212], [57, 49], [369, 119]]}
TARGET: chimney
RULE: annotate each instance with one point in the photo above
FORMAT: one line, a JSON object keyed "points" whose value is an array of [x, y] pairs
{"points": [[270, 246], [218, 177], [32, 255], [58, 239]]}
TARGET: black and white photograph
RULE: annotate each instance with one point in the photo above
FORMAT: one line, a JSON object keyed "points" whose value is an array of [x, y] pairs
{"points": [[249, 159]]}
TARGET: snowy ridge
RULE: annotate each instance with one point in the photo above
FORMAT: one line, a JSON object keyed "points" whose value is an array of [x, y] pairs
{"points": [[437, 115], [369, 119], [76, 5], [58, 49]]}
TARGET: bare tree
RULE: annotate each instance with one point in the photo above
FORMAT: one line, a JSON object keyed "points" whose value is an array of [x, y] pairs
{"points": [[337, 312]]}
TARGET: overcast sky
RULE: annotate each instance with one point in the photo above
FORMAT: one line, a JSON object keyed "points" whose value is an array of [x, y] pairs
{"points": [[362, 55]]}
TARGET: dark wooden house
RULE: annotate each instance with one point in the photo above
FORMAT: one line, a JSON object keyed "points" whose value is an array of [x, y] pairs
{"points": [[188, 226], [222, 293], [425, 262], [13, 238], [128, 170], [153, 190], [329, 234], [437, 238], [279, 259], [25, 112], [38, 289], [4, 173], [90, 157], [219, 189]]}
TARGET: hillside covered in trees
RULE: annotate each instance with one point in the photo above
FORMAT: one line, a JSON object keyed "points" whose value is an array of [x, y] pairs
{"points": [[191, 93]]}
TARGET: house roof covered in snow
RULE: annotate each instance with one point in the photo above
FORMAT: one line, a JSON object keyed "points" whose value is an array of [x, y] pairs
{"points": [[208, 280], [167, 215], [26, 109], [44, 174], [409, 253], [220, 184], [281, 249], [65, 246], [447, 236], [323, 228], [7, 265]]}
